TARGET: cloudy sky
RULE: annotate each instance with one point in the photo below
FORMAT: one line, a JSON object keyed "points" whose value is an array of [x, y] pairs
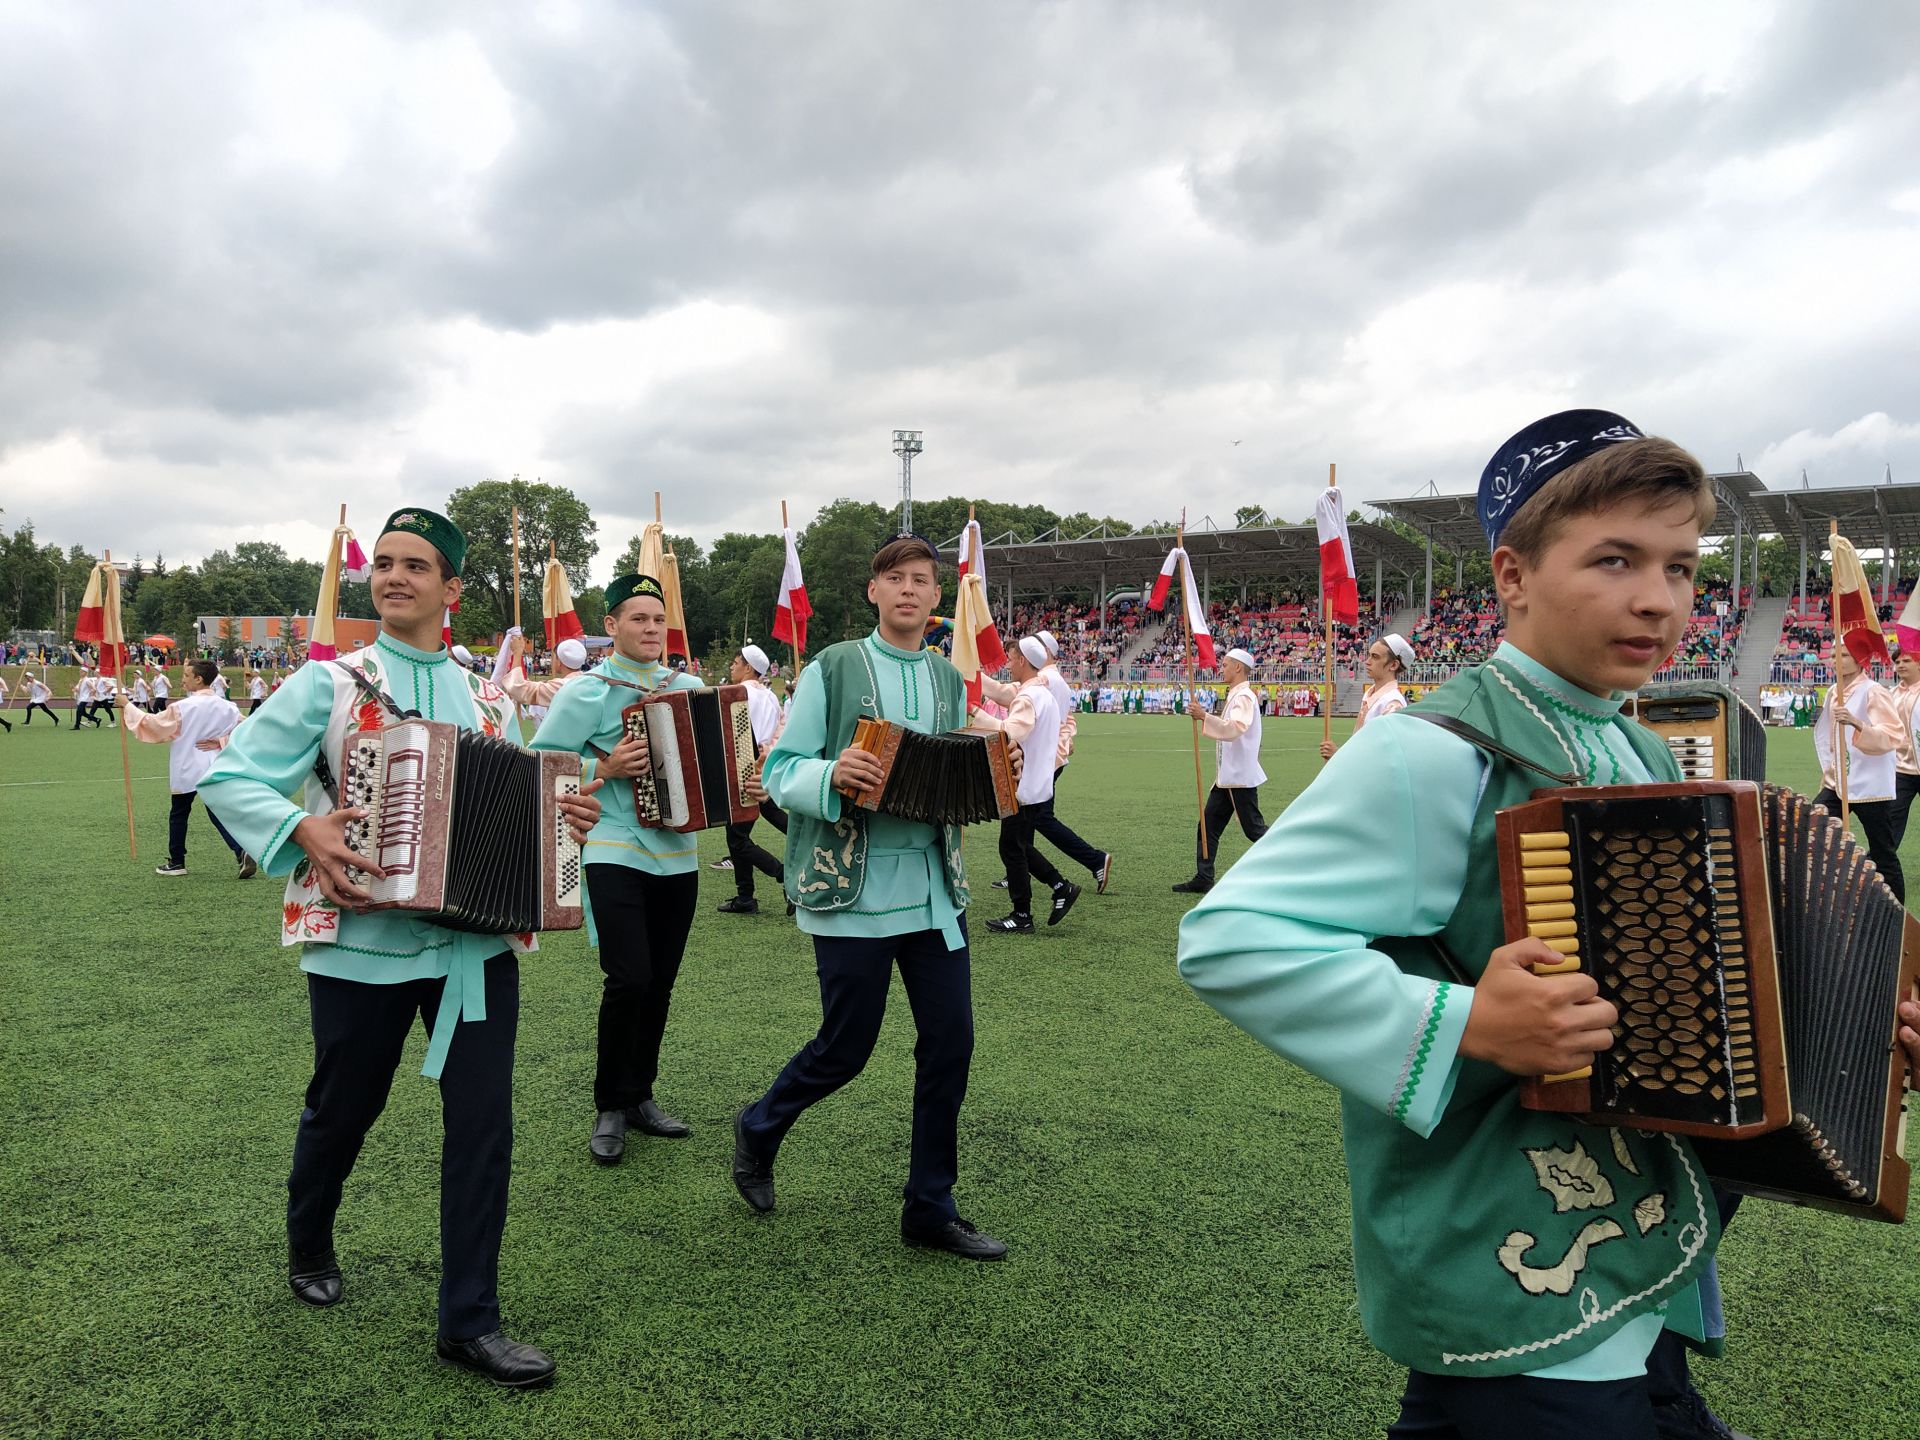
{"points": [[256, 260]]}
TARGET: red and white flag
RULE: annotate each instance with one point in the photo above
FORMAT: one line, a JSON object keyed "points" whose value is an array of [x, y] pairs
{"points": [[973, 552], [98, 623], [792, 608], [1338, 579], [358, 568], [1190, 600], [975, 623], [1907, 628], [1856, 619], [556, 605]]}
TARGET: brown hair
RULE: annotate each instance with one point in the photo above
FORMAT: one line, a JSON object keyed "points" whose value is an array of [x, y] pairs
{"points": [[898, 551], [205, 669], [1652, 471]]}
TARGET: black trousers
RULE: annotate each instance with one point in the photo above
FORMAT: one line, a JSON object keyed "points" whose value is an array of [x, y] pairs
{"points": [[104, 708], [256, 704], [748, 857], [1056, 833], [1905, 787], [33, 705], [358, 1032], [159, 704], [83, 710], [1522, 1407], [1023, 862], [177, 817], [642, 920], [1224, 804], [1876, 817], [854, 975]]}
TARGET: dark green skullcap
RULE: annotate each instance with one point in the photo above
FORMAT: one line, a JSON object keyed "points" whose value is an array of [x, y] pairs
{"points": [[436, 530], [625, 587]]}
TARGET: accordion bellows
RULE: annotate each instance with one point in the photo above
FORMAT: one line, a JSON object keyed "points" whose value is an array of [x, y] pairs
{"points": [[959, 778], [702, 757], [1755, 956], [468, 827]]}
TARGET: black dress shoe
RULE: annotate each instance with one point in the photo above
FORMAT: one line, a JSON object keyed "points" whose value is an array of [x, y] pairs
{"points": [[1687, 1417], [739, 905], [315, 1278], [1014, 924], [1198, 885], [609, 1140], [956, 1237], [649, 1119], [511, 1363], [1063, 899], [752, 1171]]}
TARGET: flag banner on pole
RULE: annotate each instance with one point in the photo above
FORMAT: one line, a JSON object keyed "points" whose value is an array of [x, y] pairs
{"points": [[1907, 628], [976, 643], [659, 562], [358, 568], [1337, 575], [446, 624], [792, 609], [320, 644], [556, 606], [98, 623], [1190, 602], [1856, 620], [504, 659], [973, 551]]}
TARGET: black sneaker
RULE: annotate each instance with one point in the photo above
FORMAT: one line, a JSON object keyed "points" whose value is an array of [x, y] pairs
{"points": [[1198, 885], [1014, 924], [739, 905], [1103, 874], [1001, 883], [1688, 1418], [1063, 898], [249, 867], [169, 869]]}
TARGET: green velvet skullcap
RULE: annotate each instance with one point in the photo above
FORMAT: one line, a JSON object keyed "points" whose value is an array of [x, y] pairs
{"points": [[625, 587], [436, 530]]}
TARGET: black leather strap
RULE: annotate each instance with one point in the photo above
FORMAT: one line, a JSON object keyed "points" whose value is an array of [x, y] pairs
{"points": [[1482, 741]]}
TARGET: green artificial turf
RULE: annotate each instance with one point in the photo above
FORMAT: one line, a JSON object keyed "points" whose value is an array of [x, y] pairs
{"points": [[1173, 1193]]}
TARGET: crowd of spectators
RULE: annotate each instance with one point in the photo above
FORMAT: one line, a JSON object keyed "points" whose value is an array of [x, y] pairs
{"points": [[1804, 655], [1085, 646]]}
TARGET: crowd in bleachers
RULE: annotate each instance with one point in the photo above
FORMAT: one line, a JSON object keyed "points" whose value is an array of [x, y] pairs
{"points": [[1085, 647], [1804, 655]]}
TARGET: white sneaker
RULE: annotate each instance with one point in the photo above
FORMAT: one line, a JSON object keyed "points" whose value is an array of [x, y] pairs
{"points": [[726, 864]]}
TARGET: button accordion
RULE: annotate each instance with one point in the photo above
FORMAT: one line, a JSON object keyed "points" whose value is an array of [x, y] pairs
{"points": [[467, 826], [959, 778], [1755, 956], [700, 743], [1712, 732]]}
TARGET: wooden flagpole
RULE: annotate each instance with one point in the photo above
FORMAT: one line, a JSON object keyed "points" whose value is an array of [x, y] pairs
{"points": [[1193, 711], [126, 768], [1840, 736], [791, 645], [1326, 609], [516, 567]]}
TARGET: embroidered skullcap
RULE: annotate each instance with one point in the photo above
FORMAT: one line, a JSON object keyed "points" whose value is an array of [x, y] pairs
{"points": [[756, 657], [1045, 637], [625, 587], [436, 530], [1035, 652], [1398, 645], [571, 653], [1537, 454], [1242, 656]]}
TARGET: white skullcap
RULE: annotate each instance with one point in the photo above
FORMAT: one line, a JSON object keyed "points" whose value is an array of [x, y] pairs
{"points": [[1242, 656], [463, 655], [1053, 646], [571, 653], [1035, 652], [1399, 646], [756, 657]]}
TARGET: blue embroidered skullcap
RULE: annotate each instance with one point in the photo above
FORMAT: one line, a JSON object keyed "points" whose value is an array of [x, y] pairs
{"points": [[1543, 450]]}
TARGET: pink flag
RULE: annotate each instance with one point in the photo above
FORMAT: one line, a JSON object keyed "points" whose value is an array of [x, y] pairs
{"points": [[792, 607], [1190, 602], [1337, 576], [1907, 628], [358, 568]]}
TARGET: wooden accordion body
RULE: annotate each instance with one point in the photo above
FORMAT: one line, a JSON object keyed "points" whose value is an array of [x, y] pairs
{"points": [[467, 826], [1712, 733], [1755, 956], [702, 754], [959, 778]]}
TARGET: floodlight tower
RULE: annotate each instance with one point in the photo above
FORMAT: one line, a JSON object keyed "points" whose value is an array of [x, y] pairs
{"points": [[906, 444]]}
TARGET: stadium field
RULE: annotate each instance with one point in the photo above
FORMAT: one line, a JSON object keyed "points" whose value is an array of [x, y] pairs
{"points": [[1173, 1193]]}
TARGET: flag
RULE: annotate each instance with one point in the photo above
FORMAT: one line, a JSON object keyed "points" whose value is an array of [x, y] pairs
{"points": [[658, 561], [791, 607], [973, 624], [446, 624], [1907, 628], [98, 623], [358, 569], [1338, 579], [1856, 620], [556, 605], [1190, 602], [320, 644], [973, 553]]}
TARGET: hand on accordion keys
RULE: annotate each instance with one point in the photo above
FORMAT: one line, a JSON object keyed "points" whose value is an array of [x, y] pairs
{"points": [[857, 769], [1535, 1024], [324, 839], [628, 759], [582, 810], [1909, 1033]]}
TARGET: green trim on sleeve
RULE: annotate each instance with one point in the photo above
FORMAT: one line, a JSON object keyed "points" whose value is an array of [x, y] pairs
{"points": [[294, 817], [1421, 1048]]}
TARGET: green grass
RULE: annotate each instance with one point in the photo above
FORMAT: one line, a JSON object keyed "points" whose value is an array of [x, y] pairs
{"points": [[1173, 1193]]}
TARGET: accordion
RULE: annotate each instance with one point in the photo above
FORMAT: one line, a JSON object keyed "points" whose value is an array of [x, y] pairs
{"points": [[1754, 955], [702, 758], [959, 778], [1712, 732], [467, 826]]}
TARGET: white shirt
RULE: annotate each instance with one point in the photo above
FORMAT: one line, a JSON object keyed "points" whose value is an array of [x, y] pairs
{"points": [[37, 693], [1906, 759], [162, 687], [1870, 750], [220, 685], [763, 712], [140, 696], [1236, 756], [256, 689], [200, 715], [1033, 723], [1379, 700]]}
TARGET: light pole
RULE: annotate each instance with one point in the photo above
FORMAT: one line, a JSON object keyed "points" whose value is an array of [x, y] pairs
{"points": [[906, 444]]}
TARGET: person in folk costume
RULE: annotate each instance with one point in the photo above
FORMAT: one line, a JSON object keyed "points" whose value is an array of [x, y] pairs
{"points": [[195, 730], [162, 689], [1388, 658], [1861, 706], [256, 690], [875, 891], [1523, 1303], [642, 882], [6, 699], [83, 699], [105, 693], [749, 665], [37, 697], [1237, 774], [1906, 759], [141, 695], [220, 684], [372, 975], [1033, 724], [569, 660]]}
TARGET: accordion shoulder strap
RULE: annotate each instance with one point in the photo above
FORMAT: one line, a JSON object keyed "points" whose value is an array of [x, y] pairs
{"points": [[321, 768], [1480, 740]]}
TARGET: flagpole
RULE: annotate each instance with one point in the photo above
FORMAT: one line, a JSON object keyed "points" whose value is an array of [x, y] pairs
{"points": [[1840, 740], [516, 567], [1193, 712], [1326, 606], [791, 644], [126, 767]]}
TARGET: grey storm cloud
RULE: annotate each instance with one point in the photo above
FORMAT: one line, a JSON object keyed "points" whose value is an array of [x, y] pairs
{"points": [[256, 261]]}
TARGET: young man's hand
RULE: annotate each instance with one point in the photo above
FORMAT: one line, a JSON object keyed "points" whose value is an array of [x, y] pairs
{"points": [[629, 758], [324, 839], [582, 811], [857, 769], [1535, 1024], [1908, 1034]]}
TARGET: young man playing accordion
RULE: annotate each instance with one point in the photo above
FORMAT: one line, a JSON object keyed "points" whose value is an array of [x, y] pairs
{"points": [[1522, 1276], [370, 975]]}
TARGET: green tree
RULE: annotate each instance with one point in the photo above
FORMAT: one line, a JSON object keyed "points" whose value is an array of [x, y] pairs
{"points": [[548, 513], [836, 554], [1249, 515], [27, 582]]}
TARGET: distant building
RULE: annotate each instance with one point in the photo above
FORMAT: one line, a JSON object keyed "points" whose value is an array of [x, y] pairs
{"points": [[264, 631]]}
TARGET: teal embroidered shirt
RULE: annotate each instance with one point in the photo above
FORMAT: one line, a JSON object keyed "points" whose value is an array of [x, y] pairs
{"points": [[905, 888]]}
